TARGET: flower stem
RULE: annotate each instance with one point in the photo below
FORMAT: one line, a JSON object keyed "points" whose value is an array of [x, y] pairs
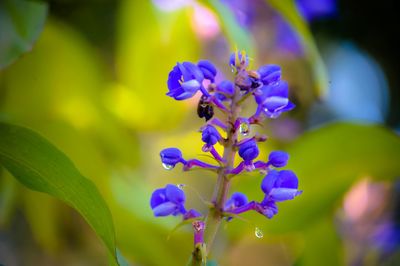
{"points": [[221, 190]]}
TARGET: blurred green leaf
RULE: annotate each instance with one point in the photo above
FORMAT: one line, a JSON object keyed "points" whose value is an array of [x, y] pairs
{"points": [[237, 35], [42, 167], [146, 53], [21, 22], [287, 9], [7, 196], [322, 242], [46, 226], [327, 161]]}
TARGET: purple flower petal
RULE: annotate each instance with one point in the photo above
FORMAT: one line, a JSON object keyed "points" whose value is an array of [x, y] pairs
{"points": [[287, 179], [158, 197], [275, 103], [282, 194], [236, 200], [269, 74], [208, 69], [171, 156], [248, 150], [210, 135], [174, 194], [165, 209], [268, 183], [278, 158]]}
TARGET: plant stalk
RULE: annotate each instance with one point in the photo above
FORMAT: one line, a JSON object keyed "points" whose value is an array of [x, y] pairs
{"points": [[215, 215]]}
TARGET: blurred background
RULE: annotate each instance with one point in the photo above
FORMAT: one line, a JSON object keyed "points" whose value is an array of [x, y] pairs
{"points": [[90, 76]]}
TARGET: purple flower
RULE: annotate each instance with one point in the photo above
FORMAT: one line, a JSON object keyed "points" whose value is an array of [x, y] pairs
{"points": [[184, 81], [280, 185], [278, 158], [170, 157], [269, 74], [248, 150], [236, 200], [210, 135], [208, 69], [273, 99], [168, 201]]}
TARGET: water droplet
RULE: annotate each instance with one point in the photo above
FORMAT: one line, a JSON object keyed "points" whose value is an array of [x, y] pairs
{"points": [[258, 233], [181, 186], [244, 129], [168, 166]]}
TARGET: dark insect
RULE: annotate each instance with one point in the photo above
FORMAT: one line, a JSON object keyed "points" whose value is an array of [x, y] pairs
{"points": [[205, 109]]}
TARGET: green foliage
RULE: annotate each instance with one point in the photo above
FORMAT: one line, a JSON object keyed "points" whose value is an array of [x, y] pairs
{"points": [[145, 55], [42, 167], [62, 89], [21, 22], [328, 161]]}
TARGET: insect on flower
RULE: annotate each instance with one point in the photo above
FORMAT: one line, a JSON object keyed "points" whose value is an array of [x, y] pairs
{"points": [[205, 109]]}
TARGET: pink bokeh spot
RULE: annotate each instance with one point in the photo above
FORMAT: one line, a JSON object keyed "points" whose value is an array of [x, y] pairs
{"points": [[205, 22]]}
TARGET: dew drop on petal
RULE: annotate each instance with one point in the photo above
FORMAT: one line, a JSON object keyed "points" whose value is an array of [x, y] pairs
{"points": [[168, 166], [244, 129], [258, 233]]}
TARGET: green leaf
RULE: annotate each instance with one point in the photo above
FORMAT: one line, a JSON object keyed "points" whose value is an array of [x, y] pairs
{"points": [[287, 9], [150, 51], [328, 161], [321, 242], [21, 22], [237, 35], [40, 166]]}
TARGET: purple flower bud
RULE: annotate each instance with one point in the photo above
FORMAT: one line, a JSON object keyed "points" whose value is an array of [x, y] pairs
{"points": [[248, 150], [269, 73], [278, 158], [236, 60], [208, 69], [210, 135], [184, 81], [171, 156], [168, 201], [236, 200]]}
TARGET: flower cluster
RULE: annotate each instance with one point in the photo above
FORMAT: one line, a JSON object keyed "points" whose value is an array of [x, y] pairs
{"points": [[270, 94]]}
